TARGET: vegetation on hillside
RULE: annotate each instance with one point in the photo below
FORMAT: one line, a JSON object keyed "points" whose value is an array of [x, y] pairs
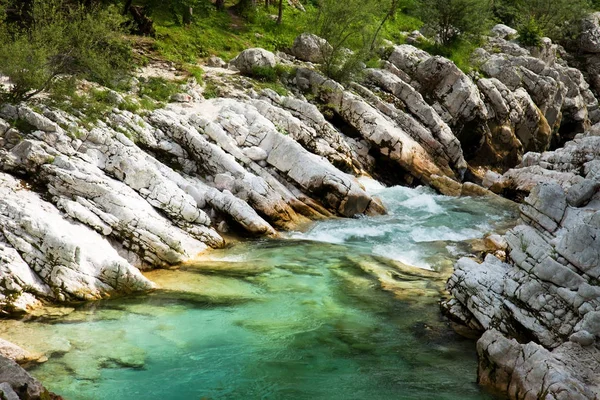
{"points": [[43, 42]]}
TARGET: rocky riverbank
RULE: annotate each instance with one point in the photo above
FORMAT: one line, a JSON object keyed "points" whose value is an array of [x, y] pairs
{"points": [[84, 208], [546, 293]]}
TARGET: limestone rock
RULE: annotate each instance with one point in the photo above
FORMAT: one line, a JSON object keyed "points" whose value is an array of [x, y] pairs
{"points": [[311, 48], [71, 259], [392, 141], [589, 39], [216, 62], [250, 59], [528, 371], [23, 385], [504, 32], [547, 290]]}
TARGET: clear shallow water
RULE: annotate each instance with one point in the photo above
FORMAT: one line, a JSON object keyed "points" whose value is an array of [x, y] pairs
{"points": [[301, 318]]}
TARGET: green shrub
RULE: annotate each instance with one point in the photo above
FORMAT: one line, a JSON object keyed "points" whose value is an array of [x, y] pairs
{"points": [[449, 20], [557, 19], [158, 89], [129, 105], [530, 33], [197, 73], [265, 74], [60, 38], [211, 91]]}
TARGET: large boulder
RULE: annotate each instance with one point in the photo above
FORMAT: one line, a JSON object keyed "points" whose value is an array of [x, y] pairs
{"points": [[16, 383], [589, 39], [311, 48], [249, 60]]}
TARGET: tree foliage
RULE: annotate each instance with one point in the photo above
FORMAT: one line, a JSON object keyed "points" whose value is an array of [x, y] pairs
{"points": [[447, 20], [351, 28], [55, 38], [557, 19]]}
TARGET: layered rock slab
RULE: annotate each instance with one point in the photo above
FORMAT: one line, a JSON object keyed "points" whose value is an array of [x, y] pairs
{"points": [[64, 260], [547, 292]]}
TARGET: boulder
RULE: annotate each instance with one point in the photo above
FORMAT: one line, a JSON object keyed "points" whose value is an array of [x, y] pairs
{"points": [[589, 39], [504, 32], [311, 48], [529, 371], [216, 62], [249, 60], [15, 381]]}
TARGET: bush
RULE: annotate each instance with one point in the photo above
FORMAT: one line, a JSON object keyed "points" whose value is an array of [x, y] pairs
{"points": [[265, 74], [58, 38], [530, 34], [158, 89], [346, 25], [448, 20], [557, 19]]}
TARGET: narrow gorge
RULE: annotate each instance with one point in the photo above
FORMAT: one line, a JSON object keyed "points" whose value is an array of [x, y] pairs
{"points": [[421, 233]]}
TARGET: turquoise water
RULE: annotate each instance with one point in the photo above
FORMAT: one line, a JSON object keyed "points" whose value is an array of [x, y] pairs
{"points": [[301, 318]]}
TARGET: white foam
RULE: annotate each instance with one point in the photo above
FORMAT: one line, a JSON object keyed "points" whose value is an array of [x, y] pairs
{"points": [[444, 233], [408, 257], [371, 185], [352, 229], [424, 202]]}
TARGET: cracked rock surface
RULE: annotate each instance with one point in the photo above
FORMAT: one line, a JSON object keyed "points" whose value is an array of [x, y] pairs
{"points": [[547, 292]]}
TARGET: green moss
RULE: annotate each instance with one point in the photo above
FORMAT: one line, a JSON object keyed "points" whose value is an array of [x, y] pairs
{"points": [[211, 91], [130, 105], [196, 72]]}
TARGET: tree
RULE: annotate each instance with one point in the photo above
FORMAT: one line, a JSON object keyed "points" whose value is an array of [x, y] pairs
{"points": [[280, 13], [349, 27], [62, 38], [449, 19], [391, 12], [557, 19]]}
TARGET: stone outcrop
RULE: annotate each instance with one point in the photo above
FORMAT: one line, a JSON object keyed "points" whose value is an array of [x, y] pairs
{"points": [[158, 189], [529, 371], [16, 383], [392, 142], [585, 50], [547, 292], [527, 95], [135, 193]]}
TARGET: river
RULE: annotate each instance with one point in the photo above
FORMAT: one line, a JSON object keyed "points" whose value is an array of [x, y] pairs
{"points": [[329, 313]]}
